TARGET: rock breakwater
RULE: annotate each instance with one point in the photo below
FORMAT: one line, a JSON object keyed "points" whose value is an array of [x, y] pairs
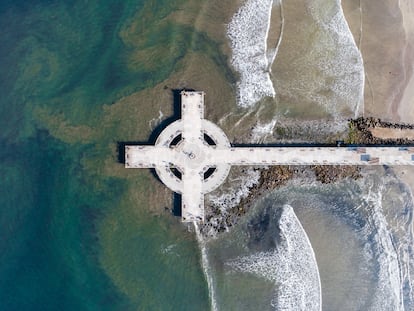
{"points": [[360, 132], [219, 219]]}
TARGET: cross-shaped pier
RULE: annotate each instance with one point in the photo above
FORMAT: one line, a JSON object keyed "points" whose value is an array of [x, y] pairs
{"points": [[192, 156]]}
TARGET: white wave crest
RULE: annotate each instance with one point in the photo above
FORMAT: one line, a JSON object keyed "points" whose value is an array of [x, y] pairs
{"points": [[156, 121], [248, 32], [262, 130], [389, 291], [240, 189], [291, 266], [229, 197], [347, 67]]}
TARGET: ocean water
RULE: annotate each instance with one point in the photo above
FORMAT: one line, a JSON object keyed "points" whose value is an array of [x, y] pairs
{"points": [[72, 237], [79, 232]]}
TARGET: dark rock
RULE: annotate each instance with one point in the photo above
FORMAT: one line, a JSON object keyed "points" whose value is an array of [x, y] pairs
{"points": [[359, 132]]}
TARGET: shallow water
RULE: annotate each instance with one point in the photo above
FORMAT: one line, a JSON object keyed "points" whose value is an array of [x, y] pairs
{"points": [[351, 233]]}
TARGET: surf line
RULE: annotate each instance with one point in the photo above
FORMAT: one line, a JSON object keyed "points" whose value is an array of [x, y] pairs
{"points": [[279, 41], [206, 268]]}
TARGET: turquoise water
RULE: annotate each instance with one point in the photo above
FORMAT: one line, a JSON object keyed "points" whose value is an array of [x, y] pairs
{"points": [[71, 238]]}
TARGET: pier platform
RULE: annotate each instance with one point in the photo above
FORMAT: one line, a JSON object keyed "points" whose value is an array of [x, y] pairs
{"points": [[192, 146]]}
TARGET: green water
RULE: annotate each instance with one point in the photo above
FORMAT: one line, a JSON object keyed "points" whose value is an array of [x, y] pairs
{"points": [[76, 229]]}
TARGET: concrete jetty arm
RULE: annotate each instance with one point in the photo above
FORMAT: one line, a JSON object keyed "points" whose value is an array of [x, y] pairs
{"points": [[192, 205], [316, 155], [147, 156], [192, 111]]}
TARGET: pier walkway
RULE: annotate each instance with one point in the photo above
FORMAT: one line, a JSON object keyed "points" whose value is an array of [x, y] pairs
{"points": [[193, 156]]}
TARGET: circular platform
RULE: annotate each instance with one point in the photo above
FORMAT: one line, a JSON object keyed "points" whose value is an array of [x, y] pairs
{"points": [[193, 155]]}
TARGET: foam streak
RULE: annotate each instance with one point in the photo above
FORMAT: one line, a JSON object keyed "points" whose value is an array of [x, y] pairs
{"points": [[389, 291], [206, 269], [279, 41]]}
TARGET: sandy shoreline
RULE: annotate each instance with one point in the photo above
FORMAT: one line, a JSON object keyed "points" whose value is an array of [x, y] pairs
{"points": [[384, 32], [406, 107], [392, 133]]}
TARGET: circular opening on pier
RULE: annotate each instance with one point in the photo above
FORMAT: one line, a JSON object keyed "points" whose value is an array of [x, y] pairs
{"points": [[176, 140], [177, 173], [210, 171], [210, 141]]}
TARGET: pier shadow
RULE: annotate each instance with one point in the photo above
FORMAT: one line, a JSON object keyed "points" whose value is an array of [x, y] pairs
{"points": [[284, 145], [317, 145], [176, 211]]}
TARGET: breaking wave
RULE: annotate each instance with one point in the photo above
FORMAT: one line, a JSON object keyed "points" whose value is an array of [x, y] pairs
{"points": [[392, 255], [380, 212], [333, 58], [362, 233], [291, 266], [230, 196], [347, 66], [248, 32]]}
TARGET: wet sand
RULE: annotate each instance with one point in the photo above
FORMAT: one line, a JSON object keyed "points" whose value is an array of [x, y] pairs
{"points": [[392, 133], [406, 107], [384, 32]]}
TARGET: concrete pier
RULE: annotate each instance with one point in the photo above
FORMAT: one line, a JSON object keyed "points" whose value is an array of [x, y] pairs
{"points": [[191, 146]]}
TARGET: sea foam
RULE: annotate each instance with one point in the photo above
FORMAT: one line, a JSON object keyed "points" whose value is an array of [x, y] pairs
{"points": [[248, 32], [346, 68], [291, 266], [340, 62], [229, 197], [239, 189], [206, 268], [389, 291]]}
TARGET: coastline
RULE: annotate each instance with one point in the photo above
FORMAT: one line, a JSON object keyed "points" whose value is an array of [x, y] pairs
{"points": [[406, 107], [220, 216], [384, 33], [219, 219], [75, 213]]}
